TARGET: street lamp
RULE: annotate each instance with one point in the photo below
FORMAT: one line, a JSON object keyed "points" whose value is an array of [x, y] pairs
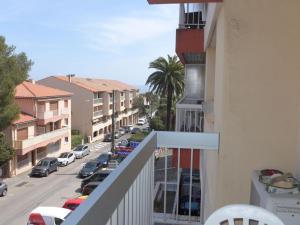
{"points": [[113, 123]]}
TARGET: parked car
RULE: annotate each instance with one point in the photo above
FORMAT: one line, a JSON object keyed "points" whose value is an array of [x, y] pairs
{"points": [[122, 131], [184, 203], [90, 187], [73, 203], [45, 166], [128, 128], [146, 130], [136, 130], [89, 168], [103, 159], [99, 176], [66, 158], [117, 135], [81, 151], [3, 188], [141, 121], [48, 216], [107, 138]]}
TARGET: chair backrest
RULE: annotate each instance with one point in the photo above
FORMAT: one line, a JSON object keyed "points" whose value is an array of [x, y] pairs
{"points": [[247, 213]]}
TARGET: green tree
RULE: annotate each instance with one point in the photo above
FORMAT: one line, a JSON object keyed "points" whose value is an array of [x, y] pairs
{"points": [[138, 103], [167, 80], [14, 70]]}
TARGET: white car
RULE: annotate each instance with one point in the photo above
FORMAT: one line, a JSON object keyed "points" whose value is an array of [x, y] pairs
{"points": [[141, 122], [81, 151], [66, 158], [48, 216]]}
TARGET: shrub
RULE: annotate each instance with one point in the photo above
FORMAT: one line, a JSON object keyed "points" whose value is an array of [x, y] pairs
{"points": [[75, 132], [76, 140]]}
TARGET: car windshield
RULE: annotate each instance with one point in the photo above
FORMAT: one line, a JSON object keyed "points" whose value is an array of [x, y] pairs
{"points": [[100, 177], [43, 163], [90, 165], [103, 158], [63, 155], [78, 148]]}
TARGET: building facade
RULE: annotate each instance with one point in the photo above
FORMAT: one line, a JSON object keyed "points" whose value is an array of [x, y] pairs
{"points": [[43, 127], [92, 103]]}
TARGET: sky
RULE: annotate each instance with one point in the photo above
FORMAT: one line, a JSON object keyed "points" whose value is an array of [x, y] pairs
{"points": [[112, 39]]}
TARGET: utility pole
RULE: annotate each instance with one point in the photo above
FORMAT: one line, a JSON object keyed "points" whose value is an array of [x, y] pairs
{"points": [[113, 123]]}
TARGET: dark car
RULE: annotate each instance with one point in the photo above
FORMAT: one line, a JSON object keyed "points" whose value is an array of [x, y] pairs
{"points": [[136, 130], [45, 166], [96, 177], [89, 168], [89, 188], [184, 203], [103, 159], [107, 138], [3, 188]]}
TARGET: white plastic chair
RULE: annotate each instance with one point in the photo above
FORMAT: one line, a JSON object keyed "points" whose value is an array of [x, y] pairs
{"points": [[247, 213]]}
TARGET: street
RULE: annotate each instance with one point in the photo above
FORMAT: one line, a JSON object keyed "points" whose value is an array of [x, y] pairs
{"points": [[25, 193]]}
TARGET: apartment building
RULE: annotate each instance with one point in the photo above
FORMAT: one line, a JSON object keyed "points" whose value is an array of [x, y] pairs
{"points": [[43, 127], [92, 103], [240, 112]]}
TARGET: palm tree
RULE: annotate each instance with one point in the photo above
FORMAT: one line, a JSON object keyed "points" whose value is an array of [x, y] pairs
{"points": [[167, 80]]}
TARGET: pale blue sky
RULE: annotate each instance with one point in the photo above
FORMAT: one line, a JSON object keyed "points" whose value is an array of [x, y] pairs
{"points": [[113, 39]]}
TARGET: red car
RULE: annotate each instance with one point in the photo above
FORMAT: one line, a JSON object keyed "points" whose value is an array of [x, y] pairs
{"points": [[72, 203]]}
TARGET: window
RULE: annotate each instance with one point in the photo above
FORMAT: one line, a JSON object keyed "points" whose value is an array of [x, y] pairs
{"points": [[58, 221], [110, 107], [122, 103], [66, 139], [66, 121], [95, 134], [66, 103], [53, 106]]}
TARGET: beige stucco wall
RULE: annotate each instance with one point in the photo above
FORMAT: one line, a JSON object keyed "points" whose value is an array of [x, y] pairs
{"points": [[256, 103]]}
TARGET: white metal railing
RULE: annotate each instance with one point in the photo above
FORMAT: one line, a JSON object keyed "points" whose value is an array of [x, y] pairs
{"points": [[49, 114], [34, 140], [192, 15], [126, 195], [98, 101], [65, 111], [98, 113]]}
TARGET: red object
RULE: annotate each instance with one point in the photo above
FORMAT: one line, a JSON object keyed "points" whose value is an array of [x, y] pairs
{"points": [[185, 158], [72, 203], [180, 1], [189, 41], [123, 148], [36, 219]]}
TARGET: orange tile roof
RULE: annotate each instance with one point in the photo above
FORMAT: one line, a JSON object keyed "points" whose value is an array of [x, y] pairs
{"points": [[23, 118], [96, 85], [30, 90]]}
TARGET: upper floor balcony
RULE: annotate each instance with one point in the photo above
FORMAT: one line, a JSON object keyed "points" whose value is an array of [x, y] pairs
{"points": [[97, 101], [190, 34], [152, 186], [40, 140], [97, 114], [50, 115], [189, 115]]}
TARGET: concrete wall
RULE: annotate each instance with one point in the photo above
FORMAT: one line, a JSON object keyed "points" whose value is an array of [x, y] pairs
{"points": [[82, 103], [256, 102], [27, 105]]}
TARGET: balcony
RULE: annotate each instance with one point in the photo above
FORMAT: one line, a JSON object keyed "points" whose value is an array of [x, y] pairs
{"points": [[98, 114], [98, 101], [189, 115], [47, 114], [134, 193], [44, 139], [190, 34]]}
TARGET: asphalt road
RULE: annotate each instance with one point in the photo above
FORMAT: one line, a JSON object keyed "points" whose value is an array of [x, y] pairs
{"points": [[25, 193]]}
